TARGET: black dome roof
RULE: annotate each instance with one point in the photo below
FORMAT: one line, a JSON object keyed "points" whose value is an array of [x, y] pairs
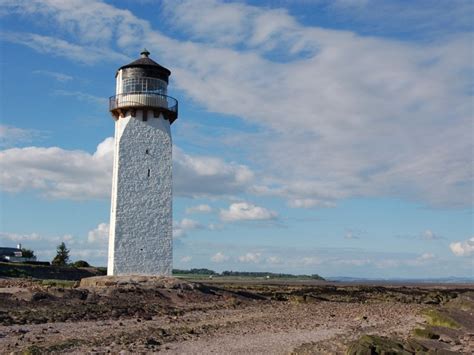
{"points": [[147, 63]]}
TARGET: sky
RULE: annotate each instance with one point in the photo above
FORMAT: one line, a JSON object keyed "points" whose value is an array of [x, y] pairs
{"points": [[325, 137]]}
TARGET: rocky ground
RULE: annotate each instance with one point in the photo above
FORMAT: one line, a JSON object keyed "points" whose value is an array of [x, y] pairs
{"points": [[142, 315]]}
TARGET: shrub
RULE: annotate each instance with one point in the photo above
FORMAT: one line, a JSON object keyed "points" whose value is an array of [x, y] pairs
{"points": [[81, 263]]}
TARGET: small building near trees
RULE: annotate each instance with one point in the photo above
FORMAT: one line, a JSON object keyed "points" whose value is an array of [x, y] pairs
{"points": [[14, 255]]}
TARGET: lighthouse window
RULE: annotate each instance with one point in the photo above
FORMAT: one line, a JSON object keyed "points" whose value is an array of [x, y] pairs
{"points": [[136, 85], [148, 173]]}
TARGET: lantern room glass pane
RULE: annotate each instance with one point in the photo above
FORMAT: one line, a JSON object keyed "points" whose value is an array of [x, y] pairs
{"points": [[136, 85]]}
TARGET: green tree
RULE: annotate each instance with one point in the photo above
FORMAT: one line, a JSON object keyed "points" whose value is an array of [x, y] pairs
{"points": [[62, 255], [27, 253]]}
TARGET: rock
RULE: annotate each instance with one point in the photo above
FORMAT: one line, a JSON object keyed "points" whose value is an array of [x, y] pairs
{"points": [[415, 347], [134, 281], [38, 296], [446, 339], [372, 344], [152, 341]]}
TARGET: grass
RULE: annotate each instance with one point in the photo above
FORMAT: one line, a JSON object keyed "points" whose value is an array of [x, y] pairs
{"points": [[59, 347], [437, 318], [425, 333], [58, 283]]}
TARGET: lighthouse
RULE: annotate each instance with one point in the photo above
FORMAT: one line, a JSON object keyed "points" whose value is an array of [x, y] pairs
{"points": [[140, 236]]}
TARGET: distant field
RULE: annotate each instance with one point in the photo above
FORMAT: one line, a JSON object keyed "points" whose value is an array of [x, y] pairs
{"points": [[247, 280]]}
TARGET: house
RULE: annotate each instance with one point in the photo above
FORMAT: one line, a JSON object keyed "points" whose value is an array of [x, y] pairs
{"points": [[14, 255]]}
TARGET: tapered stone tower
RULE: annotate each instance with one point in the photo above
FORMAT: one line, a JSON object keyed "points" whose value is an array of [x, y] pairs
{"points": [[140, 240]]}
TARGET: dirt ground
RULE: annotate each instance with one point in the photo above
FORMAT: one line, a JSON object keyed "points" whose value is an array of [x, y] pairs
{"points": [[172, 316]]}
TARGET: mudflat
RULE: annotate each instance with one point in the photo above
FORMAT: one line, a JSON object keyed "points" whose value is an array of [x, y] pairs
{"points": [[174, 316]]}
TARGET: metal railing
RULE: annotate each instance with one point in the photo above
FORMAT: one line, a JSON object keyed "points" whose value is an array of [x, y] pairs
{"points": [[143, 99]]}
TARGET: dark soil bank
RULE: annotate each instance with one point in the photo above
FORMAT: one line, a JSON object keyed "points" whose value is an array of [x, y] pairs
{"points": [[48, 272]]}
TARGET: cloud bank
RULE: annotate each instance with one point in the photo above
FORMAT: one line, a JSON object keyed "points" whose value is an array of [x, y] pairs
{"points": [[343, 115]]}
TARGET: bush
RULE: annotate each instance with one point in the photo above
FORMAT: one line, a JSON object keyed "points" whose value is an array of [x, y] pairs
{"points": [[81, 263]]}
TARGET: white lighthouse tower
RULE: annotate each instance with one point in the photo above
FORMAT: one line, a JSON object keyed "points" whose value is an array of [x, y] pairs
{"points": [[140, 240]]}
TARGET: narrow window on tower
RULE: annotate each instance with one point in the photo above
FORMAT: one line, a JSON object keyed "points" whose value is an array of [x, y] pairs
{"points": [[148, 173], [147, 151]]}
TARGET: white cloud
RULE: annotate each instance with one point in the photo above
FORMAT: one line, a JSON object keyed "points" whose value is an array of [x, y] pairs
{"points": [[36, 241], [181, 228], [250, 258], [100, 234], [354, 262], [465, 248], [370, 92], [312, 260], [68, 174], [219, 257], [351, 234], [91, 248], [58, 173], [93, 256], [15, 237], [186, 259], [426, 256], [244, 211], [214, 226], [187, 223], [384, 117], [274, 260], [306, 202], [196, 176], [10, 136], [81, 96], [178, 233], [430, 235], [59, 47], [61, 77], [203, 208]]}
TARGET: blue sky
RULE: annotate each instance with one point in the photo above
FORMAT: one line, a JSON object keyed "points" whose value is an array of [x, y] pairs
{"points": [[330, 137]]}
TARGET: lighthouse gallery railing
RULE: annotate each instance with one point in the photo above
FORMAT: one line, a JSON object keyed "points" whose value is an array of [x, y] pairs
{"points": [[143, 99]]}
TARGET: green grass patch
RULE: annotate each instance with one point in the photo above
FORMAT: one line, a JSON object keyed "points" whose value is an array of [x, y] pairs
{"points": [[437, 318], [425, 333], [58, 283], [32, 350], [65, 345]]}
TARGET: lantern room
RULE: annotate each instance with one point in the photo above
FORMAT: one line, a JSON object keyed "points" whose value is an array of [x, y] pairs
{"points": [[143, 85]]}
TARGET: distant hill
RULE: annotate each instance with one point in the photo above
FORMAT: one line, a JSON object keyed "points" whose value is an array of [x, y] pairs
{"points": [[450, 279], [255, 274]]}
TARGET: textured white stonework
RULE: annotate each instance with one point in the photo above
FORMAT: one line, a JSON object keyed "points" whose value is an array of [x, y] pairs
{"points": [[140, 240]]}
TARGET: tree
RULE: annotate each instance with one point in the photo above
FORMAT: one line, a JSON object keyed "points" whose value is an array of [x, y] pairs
{"points": [[62, 255], [27, 253]]}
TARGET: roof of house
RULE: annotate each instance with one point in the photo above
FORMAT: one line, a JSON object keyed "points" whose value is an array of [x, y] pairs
{"points": [[4, 251]]}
